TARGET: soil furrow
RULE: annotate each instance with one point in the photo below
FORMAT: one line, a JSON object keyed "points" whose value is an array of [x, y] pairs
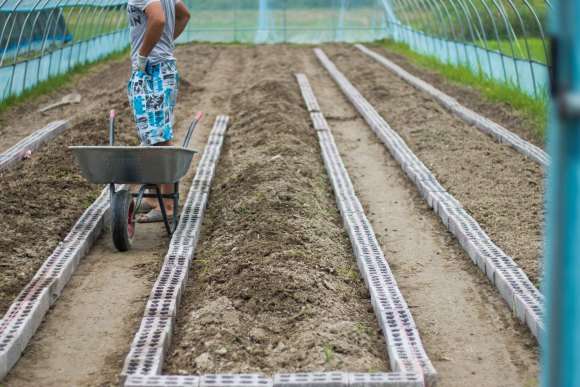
{"points": [[275, 286], [501, 188], [502, 113], [88, 332], [454, 306]]}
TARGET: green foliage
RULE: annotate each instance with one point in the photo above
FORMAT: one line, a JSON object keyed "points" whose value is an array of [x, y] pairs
{"points": [[362, 329], [477, 20], [85, 23], [57, 82], [533, 109], [520, 48], [328, 353], [347, 273]]}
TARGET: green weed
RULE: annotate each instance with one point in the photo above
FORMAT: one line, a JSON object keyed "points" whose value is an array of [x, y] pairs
{"points": [[362, 329], [534, 109], [242, 210], [202, 265], [328, 353], [347, 273], [532, 383]]}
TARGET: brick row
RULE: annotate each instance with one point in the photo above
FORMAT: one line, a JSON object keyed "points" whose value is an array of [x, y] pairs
{"points": [[307, 94], [316, 379], [31, 143], [153, 339]]}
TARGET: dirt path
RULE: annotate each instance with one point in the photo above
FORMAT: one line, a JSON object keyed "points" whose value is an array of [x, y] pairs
{"points": [[87, 334], [456, 309], [274, 286], [90, 326], [501, 188]]}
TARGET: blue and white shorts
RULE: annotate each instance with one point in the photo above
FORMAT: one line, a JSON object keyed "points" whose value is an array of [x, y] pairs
{"points": [[152, 95]]}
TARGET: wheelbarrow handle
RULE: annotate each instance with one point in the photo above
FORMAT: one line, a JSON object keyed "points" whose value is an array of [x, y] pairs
{"points": [[112, 116], [192, 127]]}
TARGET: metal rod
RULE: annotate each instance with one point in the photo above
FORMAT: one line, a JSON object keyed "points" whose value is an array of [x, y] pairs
{"points": [[163, 210], [112, 115], [191, 128]]}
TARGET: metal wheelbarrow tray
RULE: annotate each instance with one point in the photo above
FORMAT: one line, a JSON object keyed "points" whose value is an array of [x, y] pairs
{"points": [[149, 167], [133, 165]]}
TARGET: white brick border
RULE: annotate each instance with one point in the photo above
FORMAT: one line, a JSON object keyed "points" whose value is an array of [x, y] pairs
{"points": [[515, 287], [28, 310], [484, 124], [16, 153], [314, 379], [144, 362]]}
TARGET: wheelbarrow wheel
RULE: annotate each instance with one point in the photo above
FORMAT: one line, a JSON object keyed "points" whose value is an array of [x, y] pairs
{"points": [[123, 222]]}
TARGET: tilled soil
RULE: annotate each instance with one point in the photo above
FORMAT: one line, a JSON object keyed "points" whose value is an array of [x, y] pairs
{"points": [[275, 286], [501, 188], [502, 113]]}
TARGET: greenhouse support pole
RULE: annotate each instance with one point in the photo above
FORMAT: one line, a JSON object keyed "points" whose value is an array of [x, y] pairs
{"points": [[561, 344]]}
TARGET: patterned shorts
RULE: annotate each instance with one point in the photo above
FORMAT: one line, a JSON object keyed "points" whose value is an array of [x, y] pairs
{"points": [[152, 95]]}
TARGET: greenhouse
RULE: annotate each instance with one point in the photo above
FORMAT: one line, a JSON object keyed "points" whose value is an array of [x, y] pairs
{"points": [[289, 193]]}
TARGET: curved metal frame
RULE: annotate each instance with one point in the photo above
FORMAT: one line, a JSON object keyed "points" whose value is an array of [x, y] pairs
{"points": [[473, 23], [105, 19], [432, 26]]}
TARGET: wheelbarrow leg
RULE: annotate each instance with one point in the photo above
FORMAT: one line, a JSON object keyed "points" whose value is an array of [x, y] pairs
{"points": [[112, 191], [175, 206], [163, 210], [140, 195]]}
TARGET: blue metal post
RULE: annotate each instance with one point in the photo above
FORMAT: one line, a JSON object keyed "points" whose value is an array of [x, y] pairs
{"points": [[561, 344]]}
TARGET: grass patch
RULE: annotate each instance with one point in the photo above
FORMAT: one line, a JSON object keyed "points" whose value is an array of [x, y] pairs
{"points": [[520, 48], [534, 109], [57, 82], [97, 21], [328, 353]]}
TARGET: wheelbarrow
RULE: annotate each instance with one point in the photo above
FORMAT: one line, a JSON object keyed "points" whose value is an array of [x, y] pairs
{"points": [[146, 166]]}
